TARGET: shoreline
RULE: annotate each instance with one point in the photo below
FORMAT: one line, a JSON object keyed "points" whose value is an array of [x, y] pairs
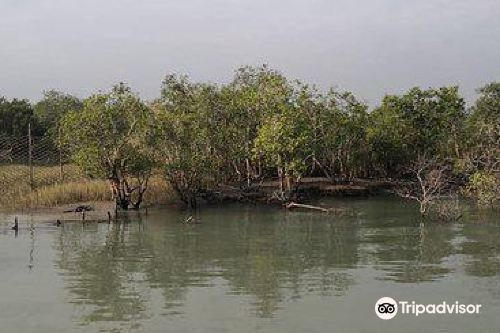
{"points": [[308, 189]]}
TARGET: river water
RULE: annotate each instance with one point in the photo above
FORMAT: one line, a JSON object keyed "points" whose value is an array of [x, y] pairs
{"points": [[250, 269]]}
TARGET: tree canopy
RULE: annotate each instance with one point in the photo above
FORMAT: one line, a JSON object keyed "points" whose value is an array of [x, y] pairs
{"points": [[264, 126], [109, 138], [53, 107]]}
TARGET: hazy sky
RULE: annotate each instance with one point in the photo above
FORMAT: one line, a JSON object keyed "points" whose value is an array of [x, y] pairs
{"points": [[371, 47]]}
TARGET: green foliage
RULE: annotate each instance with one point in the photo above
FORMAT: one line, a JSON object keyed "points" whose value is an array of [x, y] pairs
{"points": [[254, 96], [188, 136], [485, 188], [285, 140], [15, 115], [110, 138], [482, 129], [53, 107], [341, 123], [487, 106], [389, 137], [481, 146], [261, 126], [418, 123], [311, 131]]}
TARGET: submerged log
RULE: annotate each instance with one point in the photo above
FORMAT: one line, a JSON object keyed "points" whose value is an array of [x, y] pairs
{"points": [[339, 211], [191, 220], [293, 205]]}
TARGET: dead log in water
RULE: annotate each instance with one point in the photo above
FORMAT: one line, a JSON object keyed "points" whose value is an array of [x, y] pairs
{"points": [[338, 211], [293, 205]]}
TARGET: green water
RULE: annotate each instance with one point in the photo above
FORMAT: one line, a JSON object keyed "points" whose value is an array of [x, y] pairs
{"points": [[249, 269]]}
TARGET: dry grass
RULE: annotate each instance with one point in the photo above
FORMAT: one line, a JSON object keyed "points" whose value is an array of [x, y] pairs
{"points": [[159, 192], [66, 193], [51, 192]]}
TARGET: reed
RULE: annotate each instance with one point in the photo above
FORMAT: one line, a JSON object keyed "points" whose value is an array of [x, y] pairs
{"points": [[66, 193], [49, 191]]}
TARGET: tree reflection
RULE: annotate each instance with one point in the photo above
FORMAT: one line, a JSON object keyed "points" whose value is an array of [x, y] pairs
{"points": [[413, 254], [120, 272], [112, 270], [483, 247], [102, 273], [480, 250]]}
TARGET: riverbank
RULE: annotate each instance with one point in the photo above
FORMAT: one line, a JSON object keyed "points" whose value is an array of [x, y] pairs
{"points": [[55, 201], [305, 189]]}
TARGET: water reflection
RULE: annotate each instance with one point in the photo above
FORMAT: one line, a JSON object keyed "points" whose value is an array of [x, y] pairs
{"points": [[99, 274], [413, 254], [482, 248], [120, 272], [115, 267]]}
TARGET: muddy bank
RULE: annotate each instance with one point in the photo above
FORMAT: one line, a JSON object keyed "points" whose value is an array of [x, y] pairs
{"points": [[304, 190], [98, 211], [264, 192]]}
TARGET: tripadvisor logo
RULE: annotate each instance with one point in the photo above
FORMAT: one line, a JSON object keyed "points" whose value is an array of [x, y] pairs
{"points": [[387, 308]]}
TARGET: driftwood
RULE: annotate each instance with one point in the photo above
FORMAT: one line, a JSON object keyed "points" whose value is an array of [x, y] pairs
{"points": [[293, 205], [339, 211], [191, 220]]}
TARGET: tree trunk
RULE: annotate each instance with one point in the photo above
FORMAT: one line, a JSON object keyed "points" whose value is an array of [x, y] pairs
{"points": [[120, 194], [280, 179], [138, 202], [423, 208], [249, 172], [288, 182], [123, 203]]}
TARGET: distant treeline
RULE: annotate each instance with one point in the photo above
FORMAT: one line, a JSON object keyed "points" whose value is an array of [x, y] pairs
{"points": [[263, 125]]}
